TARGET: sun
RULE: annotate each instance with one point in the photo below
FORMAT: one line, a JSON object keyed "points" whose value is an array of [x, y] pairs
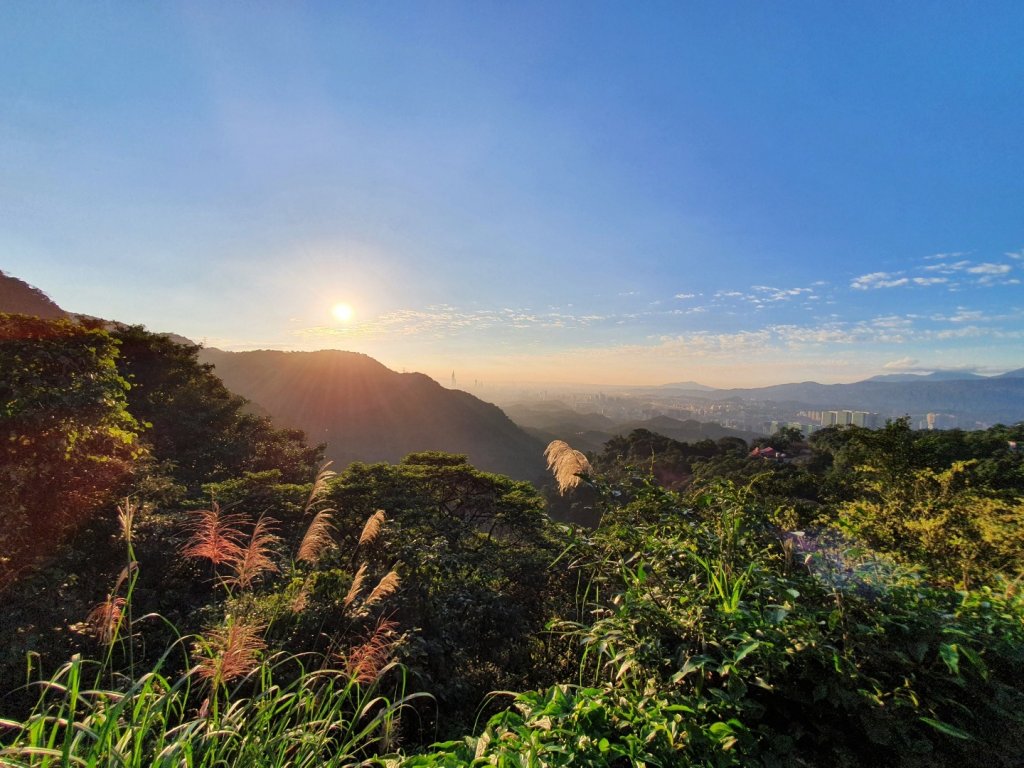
{"points": [[342, 312]]}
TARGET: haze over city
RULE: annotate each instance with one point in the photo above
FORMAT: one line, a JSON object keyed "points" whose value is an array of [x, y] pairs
{"points": [[737, 195]]}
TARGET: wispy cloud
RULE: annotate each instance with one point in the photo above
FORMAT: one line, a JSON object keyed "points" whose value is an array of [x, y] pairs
{"points": [[988, 268], [903, 364], [761, 296], [964, 316], [793, 338], [443, 321], [874, 280], [768, 293], [948, 268], [984, 274], [913, 365], [949, 271]]}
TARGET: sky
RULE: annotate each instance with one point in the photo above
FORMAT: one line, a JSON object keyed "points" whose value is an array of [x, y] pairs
{"points": [[597, 192]]}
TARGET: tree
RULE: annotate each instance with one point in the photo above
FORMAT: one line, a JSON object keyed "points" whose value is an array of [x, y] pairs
{"points": [[200, 430], [69, 442]]}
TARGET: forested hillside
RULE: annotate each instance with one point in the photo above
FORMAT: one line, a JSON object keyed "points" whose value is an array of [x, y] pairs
{"points": [[359, 409], [590, 431], [363, 411]]}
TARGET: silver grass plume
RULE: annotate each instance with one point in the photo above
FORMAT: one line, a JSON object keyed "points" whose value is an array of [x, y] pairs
{"points": [[566, 464]]}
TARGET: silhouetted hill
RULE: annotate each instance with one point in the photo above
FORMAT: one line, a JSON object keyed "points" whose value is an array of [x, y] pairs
{"points": [[364, 411], [555, 415], [590, 431], [1017, 374], [691, 386], [17, 296]]}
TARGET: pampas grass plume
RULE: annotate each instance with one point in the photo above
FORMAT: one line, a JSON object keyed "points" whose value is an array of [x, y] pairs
{"points": [[357, 584], [255, 558], [372, 528], [385, 587], [105, 619], [233, 651], [566, 464], [126, 518], [319, 486], [365, 661], [215, 536], [317, 538]]}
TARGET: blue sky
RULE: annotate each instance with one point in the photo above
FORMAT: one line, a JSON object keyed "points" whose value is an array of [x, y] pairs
{"points": [[741, 193]]}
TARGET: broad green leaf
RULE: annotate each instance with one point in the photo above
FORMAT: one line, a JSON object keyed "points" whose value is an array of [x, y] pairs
{"points": [[946, 728]]}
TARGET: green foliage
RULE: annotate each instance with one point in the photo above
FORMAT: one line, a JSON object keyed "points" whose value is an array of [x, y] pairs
{"points": [[959, 533], [668, 460], [855, 605], [705, 644], [90, 414], [784, 439], [475, 552], [198, 430], [291, 711], [69, 441]]}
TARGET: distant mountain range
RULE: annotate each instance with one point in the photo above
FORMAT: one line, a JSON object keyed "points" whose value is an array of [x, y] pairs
{"points": [[690, 385], [988, 399], [897, 378], [936, 376], [590, 431], [364, 411]]}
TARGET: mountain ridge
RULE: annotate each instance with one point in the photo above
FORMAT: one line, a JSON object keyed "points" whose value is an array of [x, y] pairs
{"points": [[933, 376], [990, 399], [364, 411], [18, 297]]}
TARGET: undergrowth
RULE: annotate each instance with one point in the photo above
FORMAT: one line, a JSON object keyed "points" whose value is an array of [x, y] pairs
{"points": [[706, 632]]}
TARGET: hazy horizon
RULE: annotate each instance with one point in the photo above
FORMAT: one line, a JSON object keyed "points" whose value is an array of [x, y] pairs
{"points": [[576, 194], [471, 381]]}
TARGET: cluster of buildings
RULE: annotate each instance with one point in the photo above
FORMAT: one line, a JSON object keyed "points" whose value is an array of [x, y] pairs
{"points": [[850, 418], [816, 420]]}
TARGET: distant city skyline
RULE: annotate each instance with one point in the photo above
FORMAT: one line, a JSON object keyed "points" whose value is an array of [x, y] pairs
{"points": [[574, 193]]}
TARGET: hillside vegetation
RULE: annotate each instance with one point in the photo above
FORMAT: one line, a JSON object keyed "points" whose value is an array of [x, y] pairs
{"points": [[218, 596]]}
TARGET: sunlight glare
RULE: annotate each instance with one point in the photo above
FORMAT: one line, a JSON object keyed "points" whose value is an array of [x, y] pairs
{"points": [[342, 312]]}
